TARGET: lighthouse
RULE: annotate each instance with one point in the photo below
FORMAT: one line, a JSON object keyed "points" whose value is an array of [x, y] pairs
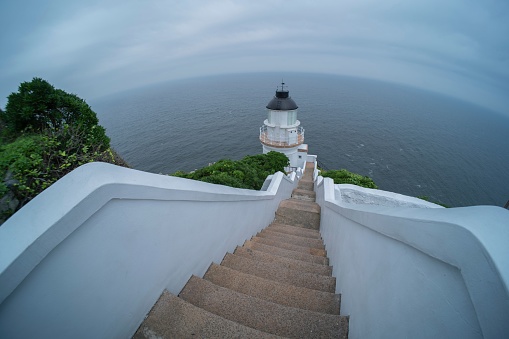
{"points": [[281, 131]]}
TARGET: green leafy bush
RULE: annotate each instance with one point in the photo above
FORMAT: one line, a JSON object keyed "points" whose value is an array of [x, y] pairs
{"points": [[45, 134], [250, 172], [343, 176], [38, 106], [38, 160]]}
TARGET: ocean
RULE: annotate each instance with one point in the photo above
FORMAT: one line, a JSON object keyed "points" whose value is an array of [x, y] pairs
{"points": [[410, 141]]}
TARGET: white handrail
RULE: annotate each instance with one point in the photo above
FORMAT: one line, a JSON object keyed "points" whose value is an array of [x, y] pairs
{"points": [[281, 141]]}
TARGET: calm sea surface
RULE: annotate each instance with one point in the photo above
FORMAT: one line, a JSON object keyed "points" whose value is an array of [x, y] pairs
{"points": [[408, 140]]}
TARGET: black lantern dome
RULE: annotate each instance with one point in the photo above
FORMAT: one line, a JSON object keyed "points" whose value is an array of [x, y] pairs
{"points": [[282, 100]]}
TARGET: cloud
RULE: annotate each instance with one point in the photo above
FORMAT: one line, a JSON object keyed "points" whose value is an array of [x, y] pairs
{"points": [[97, 47]]}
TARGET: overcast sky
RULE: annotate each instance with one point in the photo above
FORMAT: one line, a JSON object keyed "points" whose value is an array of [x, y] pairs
{"points": [[96, 47]]}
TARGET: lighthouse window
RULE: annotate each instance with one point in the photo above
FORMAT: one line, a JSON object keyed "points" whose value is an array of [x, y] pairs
{"points": [[292, 118]]}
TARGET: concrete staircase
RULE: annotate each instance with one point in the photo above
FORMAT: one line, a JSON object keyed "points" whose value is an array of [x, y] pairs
{"points": [[278, 284]]}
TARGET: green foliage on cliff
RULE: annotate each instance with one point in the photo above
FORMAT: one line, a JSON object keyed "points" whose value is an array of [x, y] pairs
{"points": [[343, 176], [38, 106], [46, 133], [250, 172], [36, 161]]}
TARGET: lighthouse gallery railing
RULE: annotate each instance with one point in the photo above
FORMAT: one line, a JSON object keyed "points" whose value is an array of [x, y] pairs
{"points": [[270, 139]]}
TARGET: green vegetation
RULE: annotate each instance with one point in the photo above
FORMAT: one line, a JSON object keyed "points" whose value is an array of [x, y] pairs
{"points": [[45, 134], [343, 176], [38, 106], [250, 172]]}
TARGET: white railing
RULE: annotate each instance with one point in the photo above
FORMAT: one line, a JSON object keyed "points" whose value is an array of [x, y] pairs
{"points": [[281, 141], [89, 256], [418, 272]]}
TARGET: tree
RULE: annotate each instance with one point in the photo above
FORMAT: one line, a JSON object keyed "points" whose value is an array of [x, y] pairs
{"points": [[46, 133], [39, 106], [2, 123]]}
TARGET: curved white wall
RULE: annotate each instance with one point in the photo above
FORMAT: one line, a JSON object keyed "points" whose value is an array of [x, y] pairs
{"points": [[90, 256], [418, 273]]}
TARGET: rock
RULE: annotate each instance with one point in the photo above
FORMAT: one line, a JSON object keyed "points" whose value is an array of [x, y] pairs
{"points": [[8, 205], [9, 179]]}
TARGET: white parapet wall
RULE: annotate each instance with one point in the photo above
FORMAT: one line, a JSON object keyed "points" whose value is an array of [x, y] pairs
{"points": [[89, 256], [353, 194], [410, 272]]}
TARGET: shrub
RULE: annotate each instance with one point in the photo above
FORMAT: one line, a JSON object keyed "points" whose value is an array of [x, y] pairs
{"points": [[38, 106], [343, 176], [38, 160], [250, 172], [45, 134]]}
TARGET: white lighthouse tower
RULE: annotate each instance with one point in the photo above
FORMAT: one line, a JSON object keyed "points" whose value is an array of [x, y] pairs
{"points": [[281, 131]]}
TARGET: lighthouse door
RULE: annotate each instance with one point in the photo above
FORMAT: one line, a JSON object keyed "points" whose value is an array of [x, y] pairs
{"points": [[292, 136]]}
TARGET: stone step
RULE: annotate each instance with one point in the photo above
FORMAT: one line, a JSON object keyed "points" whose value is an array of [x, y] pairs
{"points": [[298, 213], [289, 263], [261, 314], [291, 247], [292, 239], [304, 191], [307, 185], [308, 175], [307, 206], [289, 229], [172, 317], [276, 292], [280, 273], [286, 253], [303, 194]]}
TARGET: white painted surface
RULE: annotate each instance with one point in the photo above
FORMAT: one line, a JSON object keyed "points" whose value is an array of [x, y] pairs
{"points": [[281, 134], [284, 119], [354, 194], [89, 256], [282, 126], [418, 273], [292, 136]]}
